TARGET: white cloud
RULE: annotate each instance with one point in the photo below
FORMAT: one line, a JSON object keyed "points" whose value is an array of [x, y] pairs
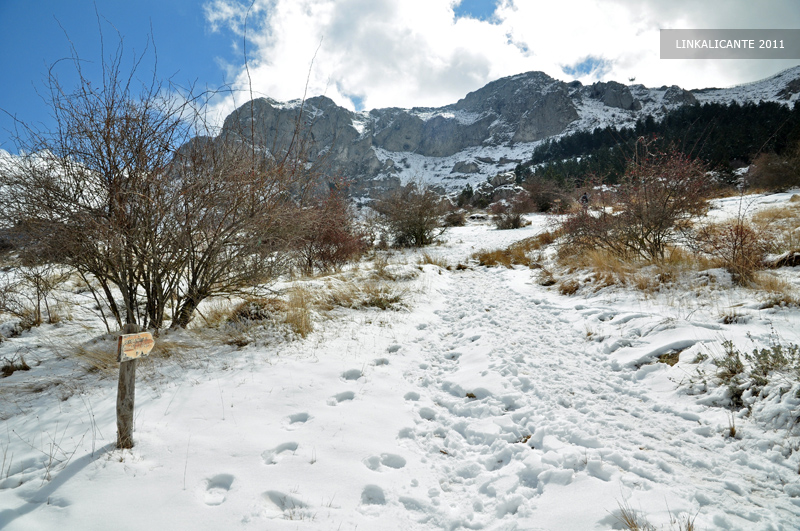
{"points": [[405, 53]]}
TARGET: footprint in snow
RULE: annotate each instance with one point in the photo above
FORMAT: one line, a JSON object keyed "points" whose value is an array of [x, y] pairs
{"points": [[291, 507], [427, 413], [271, 457], [352, 374], [373, 495], [341, 397], [292, 421], [216, 489], [390, 460]]}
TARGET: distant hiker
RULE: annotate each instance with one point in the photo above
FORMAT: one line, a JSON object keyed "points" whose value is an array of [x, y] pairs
{"points": [[585, 200]]}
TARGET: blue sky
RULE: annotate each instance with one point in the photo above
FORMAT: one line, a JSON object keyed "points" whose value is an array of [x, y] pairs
{"points": [[368, 54], [31, 39]]}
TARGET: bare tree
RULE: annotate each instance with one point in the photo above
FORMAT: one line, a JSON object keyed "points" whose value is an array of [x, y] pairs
{"points": [[413, 214], [117, 191], [239, 219]]}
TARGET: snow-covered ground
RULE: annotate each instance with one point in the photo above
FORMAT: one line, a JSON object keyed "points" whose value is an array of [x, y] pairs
{"points": [[490, 402]]}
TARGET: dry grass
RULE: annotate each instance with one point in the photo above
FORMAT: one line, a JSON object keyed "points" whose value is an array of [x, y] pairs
{"points": [[100, 356], [781, 224], [367, 294], [380, 262], [213, 313], [12, 365], [777, 292], [633, 520], [298, 311], [518, 253], [432, 260], [568, 287], [501, 257], [608, 268]]}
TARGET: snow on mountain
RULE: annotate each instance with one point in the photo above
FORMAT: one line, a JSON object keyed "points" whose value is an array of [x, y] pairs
{"points": [[489, 131]]}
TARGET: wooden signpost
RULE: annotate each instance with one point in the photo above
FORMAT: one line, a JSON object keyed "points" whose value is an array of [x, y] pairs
{"points": [[130, 347]]}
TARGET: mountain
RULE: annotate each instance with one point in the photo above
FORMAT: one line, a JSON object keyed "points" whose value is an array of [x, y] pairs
{"points": [[488, 131]]}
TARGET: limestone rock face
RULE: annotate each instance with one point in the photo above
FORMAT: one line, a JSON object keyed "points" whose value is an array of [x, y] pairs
{"points": [[614, 94], [485, 133], [463, 166], [677, 95]]}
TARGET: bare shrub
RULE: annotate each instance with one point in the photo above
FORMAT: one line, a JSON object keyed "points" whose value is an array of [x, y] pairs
{"points": [[331, 237], [509, 215], [736, 245], [657, 196], [545, 195], [774, 172], [412, 214], [28, 295], [455, 218]]}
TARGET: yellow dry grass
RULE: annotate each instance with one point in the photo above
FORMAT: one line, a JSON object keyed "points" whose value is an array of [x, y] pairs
{"points": [[298, 311], [518, 253], [432, 260]]}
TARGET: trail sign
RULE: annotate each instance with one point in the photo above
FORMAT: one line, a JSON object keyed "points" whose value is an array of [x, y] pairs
{"points": [[133, 346], [130, 347]]}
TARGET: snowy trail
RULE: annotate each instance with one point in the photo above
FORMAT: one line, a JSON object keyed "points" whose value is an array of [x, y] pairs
{"points": [[525, 422], [492, 403]]}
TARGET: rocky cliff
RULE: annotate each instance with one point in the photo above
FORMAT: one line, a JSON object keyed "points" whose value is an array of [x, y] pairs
{"points": [[487, 132]]}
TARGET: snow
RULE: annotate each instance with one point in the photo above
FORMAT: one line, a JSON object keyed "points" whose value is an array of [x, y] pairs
{"points": [[490, 402]]}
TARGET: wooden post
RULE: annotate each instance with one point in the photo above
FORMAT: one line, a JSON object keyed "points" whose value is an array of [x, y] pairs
{"points": [[126, 392]]}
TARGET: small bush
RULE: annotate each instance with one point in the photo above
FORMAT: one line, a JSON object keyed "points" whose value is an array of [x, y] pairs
{"points": [[742, 371], [736, 245], [508, 216], [257, 309], [774, 172], [658, 195], [509, 220], [456, 218], [412, 215], [331, 238]]}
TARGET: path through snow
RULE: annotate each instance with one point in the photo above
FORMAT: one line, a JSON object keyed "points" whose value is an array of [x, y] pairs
{"points": [[493, 404]]}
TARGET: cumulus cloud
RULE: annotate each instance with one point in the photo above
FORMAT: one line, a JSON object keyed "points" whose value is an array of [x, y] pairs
{"points": [[405, 53]]}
